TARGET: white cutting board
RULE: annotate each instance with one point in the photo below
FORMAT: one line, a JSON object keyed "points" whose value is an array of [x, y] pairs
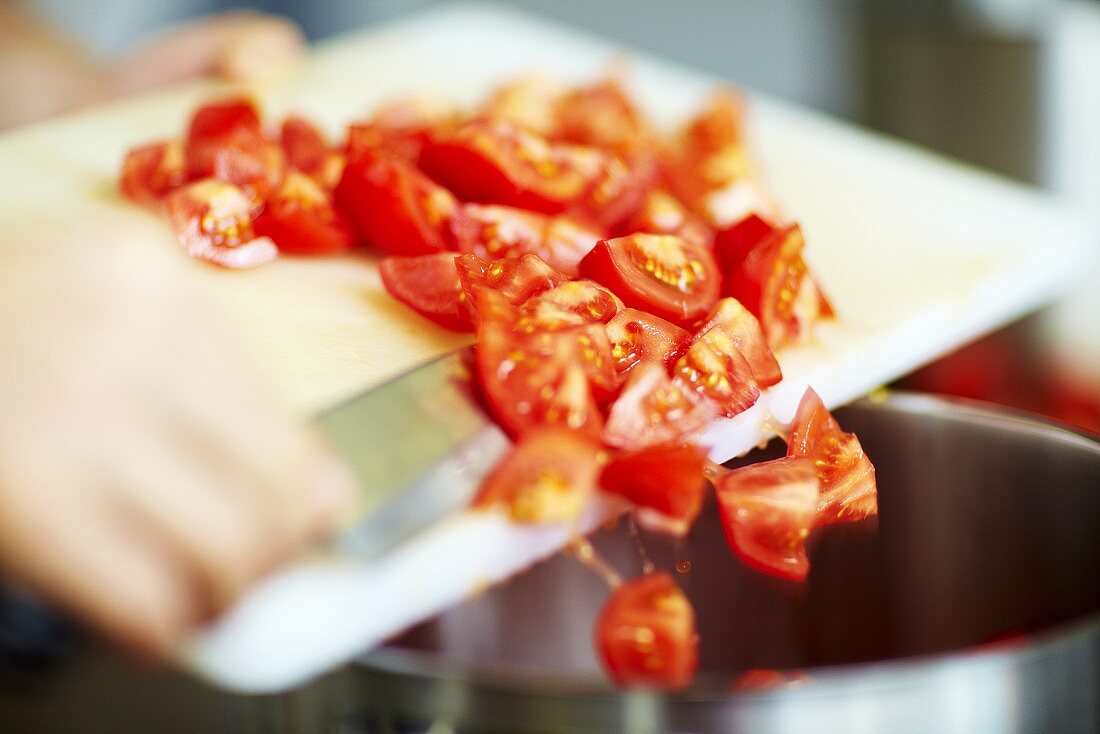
{"points": [[918, 255]]}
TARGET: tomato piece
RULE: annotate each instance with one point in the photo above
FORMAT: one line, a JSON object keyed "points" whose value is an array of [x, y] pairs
{"points": [[493, 161], [429, 285], [401, 129], [645, 634], [394, 207], [654, 408], [710, 154], [573, 303], [774, 283], [517, 279], [744, 331], [212, 221], [225, 141], [733, 244], [662, 213], [601, 115], [301, 219], [619, 189], [848, 488], [662, 274], [637, 336], [715, 367], [530, 382], [529, 102], [493, 231], [545, 478], [666, 479], [304, 145], [768, 679], [767, 510], [151, 172]]}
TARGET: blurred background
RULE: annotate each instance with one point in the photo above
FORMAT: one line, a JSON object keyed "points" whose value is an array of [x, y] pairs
{"points": [[1009, 85]]}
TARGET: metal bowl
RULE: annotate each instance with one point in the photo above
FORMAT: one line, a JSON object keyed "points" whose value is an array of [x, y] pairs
{"points": [[971, 605]]}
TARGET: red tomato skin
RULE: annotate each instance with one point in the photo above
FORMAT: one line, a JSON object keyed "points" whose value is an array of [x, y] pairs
{"points": [[546, 477], [732, 245], [151, 172], [217, 126], [573, 303], [212, 221], [621, 264], [429, 285], [302, 220], [645, 635], [849, 492], [304, 145], [663, 213], [666, 478], [393, 207], [518, 279], [767, 511], [654, 409], [746, 334], [637, 336]]}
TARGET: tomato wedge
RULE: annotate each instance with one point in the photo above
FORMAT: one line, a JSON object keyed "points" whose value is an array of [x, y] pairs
{"points": [[637, 336], [300, 218], [151, 172], [401, 129], [529, 102], [662, 213], [645, 634], [546, 477], [394, 207], [212, 221], [767, 510], [715, 367], [654, 409], [663, 274], [429, 285], [744, 331], [224, 140], [733, 244], [666, 479], [774, 283], [600, 115], [573, 303], [492, 231], [304, 145], [528, 382], [848, 488], [517, 279], [710, 154]]}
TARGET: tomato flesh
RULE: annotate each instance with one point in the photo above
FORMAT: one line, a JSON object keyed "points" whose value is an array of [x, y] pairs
{"points": [[645, 635], [637, 336], [662, 274], [302, 220], [546, 478], [714, 367], [666, 478], [733, 244], [848, 489], [517, 279], [662, 213], [304, 145], [573, 303], [744, 331], [395, 208], [429, 285], [225, 141], [767, 511], [212, 220], [654, 409], [600, 115], [151, 172]]}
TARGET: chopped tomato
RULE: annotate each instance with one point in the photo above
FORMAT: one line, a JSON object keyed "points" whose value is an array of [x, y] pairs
{"points": [[654, 408], [530, 103], [300, 218], [492, 231], [662, 213], [428, 285], [493, 161], [767, 510], [529, 383], [774, 283], [715, 367], [585, 346], [224, 140], [666, 478], [601, 115], [212, 221], [517, 279], [848, 488], [304, 145], [546, 477], [733, 244], [637, 336], [152, 171], [710, 154], [619, 188], [394, 207], [744, 331], [573, 303], [645, 634], [400, 129], [662, 274], [768, 679]]}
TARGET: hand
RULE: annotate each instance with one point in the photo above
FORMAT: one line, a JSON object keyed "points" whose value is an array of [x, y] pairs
{"points": [[146, 478]]}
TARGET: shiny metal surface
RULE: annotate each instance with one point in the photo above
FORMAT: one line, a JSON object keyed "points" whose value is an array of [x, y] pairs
{"points": [[989, 529], [418, 445]]}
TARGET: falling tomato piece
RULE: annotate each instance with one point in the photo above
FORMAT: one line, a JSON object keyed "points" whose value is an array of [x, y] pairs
{"points": [[744, 331], [666, 479], [645, 635], [848, 489], [767, 511]]}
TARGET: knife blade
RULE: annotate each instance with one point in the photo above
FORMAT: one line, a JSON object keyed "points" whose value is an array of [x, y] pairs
{"points": [[419, 446]]}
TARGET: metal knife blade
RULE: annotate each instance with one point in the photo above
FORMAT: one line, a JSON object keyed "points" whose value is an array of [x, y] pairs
{"points": [[419, 445]]}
